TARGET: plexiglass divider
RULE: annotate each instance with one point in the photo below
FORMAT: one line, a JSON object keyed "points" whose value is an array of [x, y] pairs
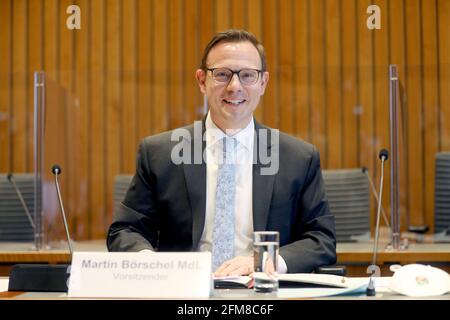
{"points": [[39, 126], [394, 123], [54, 123]]}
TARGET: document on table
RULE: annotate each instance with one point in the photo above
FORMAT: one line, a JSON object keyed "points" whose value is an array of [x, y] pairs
{"points": [[289, 280], [4, 284], [355, 286], [310, 285]]}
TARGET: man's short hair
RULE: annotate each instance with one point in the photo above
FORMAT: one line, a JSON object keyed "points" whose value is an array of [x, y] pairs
{"points": [[234, 35]]}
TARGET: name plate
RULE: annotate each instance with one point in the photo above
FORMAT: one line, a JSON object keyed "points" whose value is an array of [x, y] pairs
{"points": [[140, 275]]}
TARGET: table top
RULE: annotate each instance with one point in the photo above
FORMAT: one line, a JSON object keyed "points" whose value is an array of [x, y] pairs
{"points": [[25, 252], [346, 252], [226, 294], [418, 252]]}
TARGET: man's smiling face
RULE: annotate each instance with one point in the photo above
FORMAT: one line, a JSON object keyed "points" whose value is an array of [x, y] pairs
{"points": [[232, 104]]}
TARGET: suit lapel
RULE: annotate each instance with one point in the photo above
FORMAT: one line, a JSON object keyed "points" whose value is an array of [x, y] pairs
{"points": [[262, 184], [195, 175]]}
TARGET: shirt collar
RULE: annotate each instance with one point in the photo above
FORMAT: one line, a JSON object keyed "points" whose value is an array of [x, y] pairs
{"points": [[215, 134]]}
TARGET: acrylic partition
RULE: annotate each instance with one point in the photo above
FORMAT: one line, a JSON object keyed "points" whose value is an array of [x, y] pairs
{"points": [[39, 115], [62, 144], [35, 138]]}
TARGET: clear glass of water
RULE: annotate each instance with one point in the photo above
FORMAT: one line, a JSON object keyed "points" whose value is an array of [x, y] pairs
{"points": [[265, 254]]}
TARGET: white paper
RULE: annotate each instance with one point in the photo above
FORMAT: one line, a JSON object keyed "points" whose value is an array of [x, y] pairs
{"points": [[355, 285], [4, 284]]}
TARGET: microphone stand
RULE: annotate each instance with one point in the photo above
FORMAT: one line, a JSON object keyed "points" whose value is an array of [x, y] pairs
{"points": [[57, 171], [370, 291], [374, 192], [43, 277]]}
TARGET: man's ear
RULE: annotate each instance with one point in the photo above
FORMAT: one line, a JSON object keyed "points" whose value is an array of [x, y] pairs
{"points": [[264, 81], [200, 75]]}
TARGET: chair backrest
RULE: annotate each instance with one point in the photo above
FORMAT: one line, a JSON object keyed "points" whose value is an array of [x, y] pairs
{"points": [[14, 222], [121, 185], [348, 195], [442, 192]]}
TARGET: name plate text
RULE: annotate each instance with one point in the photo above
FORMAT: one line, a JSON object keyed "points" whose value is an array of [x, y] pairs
{"points": [[140, 275]]}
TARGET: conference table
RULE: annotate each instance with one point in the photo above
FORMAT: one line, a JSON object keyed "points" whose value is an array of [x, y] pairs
{"points": [[383, 293], [57, 253], [358, 256], [355, 256]]}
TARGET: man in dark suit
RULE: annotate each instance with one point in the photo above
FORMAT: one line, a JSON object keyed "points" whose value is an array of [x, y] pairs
{"points": [[181, 197]]}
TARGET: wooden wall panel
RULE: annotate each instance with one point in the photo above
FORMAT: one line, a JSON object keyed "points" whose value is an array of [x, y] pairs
{"points": [[129, 73], [286, 79], [51, 39], [430, 103], [175, 69], [160, 66], [191, 61], [206, 23], [5, 86], [443, 9], [333, 89], [222, 15], [34, 52], [254, 25], [129, 80], [365, 92], [302, 63], [81, 117], [97, 123], [318, 114], [145, 54], [113, 98], [270, 34], [253, 18], [414, 113], [19, 86], [238, 14], [349, 74]]}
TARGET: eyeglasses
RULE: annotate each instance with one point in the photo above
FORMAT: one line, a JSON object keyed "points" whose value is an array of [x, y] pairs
{"points": [[246, 76]]}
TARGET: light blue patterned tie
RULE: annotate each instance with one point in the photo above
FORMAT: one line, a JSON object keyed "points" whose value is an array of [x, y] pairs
{"points": [[223, 232]]}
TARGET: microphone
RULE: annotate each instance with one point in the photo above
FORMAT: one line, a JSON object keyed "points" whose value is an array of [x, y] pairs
{"points": [[22, 201], [370, 291], [56, 170], [43, 277], [365, 170], [383, 154]]}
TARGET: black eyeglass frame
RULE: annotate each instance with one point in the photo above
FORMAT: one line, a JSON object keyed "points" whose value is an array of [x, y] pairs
{"points": [[235, 72]]}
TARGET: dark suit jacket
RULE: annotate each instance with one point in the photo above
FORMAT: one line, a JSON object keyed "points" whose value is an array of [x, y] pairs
{"points": [[164, 208]]}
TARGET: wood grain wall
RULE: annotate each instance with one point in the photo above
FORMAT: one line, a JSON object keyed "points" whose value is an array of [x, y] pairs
{"points": [[129, 73]]}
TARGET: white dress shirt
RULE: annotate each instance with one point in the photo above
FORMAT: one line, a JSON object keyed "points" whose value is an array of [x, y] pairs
{"points": [[243, 206], [243, 241]]}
